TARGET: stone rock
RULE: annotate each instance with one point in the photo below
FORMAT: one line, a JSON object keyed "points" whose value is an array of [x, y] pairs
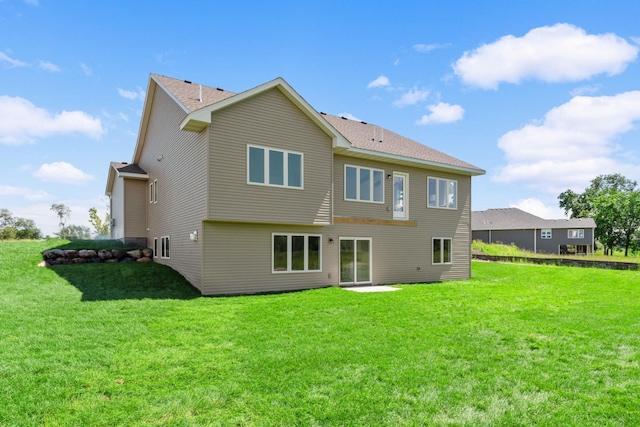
{"points": [[128, 259], [87, 253], [53, 253], [94, 259], [111, 260], [78, 260], [136, 253], [61, 260], [71, 254], [146, 252], [144, 259], [104, 254], [42, 263], [118, 254]]}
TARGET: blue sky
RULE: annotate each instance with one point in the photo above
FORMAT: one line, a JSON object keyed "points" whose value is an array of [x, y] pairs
{"points": [[543, 95]]}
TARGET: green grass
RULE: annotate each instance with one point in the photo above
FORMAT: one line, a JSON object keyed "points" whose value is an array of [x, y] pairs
{"points": [[96, 245], [133, 345]]}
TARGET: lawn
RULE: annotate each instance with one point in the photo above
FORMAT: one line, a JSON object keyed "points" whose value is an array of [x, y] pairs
{"points": [[134, 345]]}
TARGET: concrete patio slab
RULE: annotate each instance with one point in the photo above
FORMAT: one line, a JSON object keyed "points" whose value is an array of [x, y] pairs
{"points": [[372, 289]]}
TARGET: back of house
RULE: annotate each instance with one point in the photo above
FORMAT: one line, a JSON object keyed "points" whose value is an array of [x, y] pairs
{"points": [[259, 192]]}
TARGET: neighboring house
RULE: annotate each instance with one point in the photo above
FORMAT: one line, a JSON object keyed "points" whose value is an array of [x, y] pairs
{"points": [[258, 192], [526, 231]]}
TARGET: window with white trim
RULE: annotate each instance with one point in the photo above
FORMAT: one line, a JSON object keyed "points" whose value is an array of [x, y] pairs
{"points": [[155, 247], [164, 247], [442, 250], [442, 193], [296, 252], [363, 184], [153, 191], [545, 233], [575, 233], [273, 167]]}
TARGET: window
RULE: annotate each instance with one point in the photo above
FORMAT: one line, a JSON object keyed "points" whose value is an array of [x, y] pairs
{"points": [[271, 167], [545, 233], [363, 184], [400, 195], [441, 250], [296, 253], [442, 193], [153, 191], [155, 247], [575, 234], [164, 251]]}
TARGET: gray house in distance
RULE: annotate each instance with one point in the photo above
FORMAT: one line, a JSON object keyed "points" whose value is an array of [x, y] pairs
{"points": [[257, 192], [532, 233]]}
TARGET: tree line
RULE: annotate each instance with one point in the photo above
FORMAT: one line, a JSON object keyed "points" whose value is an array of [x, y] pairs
{"points": [[613, 201]]}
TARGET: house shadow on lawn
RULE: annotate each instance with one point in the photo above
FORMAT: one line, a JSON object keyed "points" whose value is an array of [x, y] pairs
{"points": [[120, 281]]}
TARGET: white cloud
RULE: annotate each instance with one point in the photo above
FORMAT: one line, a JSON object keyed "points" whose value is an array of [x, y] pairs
{"points": [[349, 116], [132, 94], [21, 122], [558, 53], [442, 113], [48, 66], [85, 69], [12, 63], [27, 193], [585, 90], [572, 144], [62, 172], [423, 48], [538, 208], [413, 96], [381, 81]]}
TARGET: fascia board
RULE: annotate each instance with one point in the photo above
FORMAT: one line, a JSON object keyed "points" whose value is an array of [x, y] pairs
{"points": [[133, 175], [396, 158], [144, 121]]}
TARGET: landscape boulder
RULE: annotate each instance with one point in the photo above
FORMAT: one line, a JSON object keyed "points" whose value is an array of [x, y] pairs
{"points": [[136, 253], [83, 256], [104, 254]]}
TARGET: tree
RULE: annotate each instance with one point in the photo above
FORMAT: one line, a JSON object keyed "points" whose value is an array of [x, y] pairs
{"points": [[612, 201], [74, 232], [63, 213], [17, 228], [100, 226]]}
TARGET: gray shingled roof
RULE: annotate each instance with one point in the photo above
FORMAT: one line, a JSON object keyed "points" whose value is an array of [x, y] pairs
{"points": [[360, 135], [516, 219], [128, 168]]}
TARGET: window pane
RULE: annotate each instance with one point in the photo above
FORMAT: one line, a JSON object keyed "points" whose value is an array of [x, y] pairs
{"points": [[314, 253], [442, 193], [363, 258], [433, 191], [437, 257], [447, 250], [365, 184], [453, 203], [294, 170], [280, 253], [351, 191], [276, 167], [378, 186], [398, 194], [256, 165], [347, 261], [297, 253]]}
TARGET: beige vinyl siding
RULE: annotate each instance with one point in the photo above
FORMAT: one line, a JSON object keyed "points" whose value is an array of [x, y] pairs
{"points": [[268, 120], [135, 208], [117, 209], [182, 180], [238, 260]]}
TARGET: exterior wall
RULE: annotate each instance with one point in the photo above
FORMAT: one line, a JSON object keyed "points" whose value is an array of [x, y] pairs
{"points": [[525, 239], [269, 120], [117, 209], [238, 260], [181, 174], [135, 212]]}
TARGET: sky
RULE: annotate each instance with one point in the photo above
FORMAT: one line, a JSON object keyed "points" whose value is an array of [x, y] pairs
{"points": [[543, 95]]}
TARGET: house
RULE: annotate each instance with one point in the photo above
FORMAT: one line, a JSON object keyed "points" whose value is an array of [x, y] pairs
{"points": [[257, 191], [532, 233]]}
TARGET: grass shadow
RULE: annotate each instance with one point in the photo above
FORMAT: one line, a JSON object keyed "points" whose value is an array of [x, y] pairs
{"points": [[119, 281]]}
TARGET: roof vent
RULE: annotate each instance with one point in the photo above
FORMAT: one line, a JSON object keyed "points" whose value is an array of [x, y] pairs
{"points": [[323, 113], [124, 163], [364, 123], [221, 90], [344, 118], [187, 81]]}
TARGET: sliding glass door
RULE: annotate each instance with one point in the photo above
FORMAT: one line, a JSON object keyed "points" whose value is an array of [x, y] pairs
{"points": [[355, 260]]}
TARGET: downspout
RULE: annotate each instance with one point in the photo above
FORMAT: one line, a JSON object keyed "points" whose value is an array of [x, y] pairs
{"points": [[490, 236], [535, 240]]}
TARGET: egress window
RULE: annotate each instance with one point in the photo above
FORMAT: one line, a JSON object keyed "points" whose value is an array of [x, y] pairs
{"points": [[272, 167], [164, 247], [296, 252], [363, 184]]}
